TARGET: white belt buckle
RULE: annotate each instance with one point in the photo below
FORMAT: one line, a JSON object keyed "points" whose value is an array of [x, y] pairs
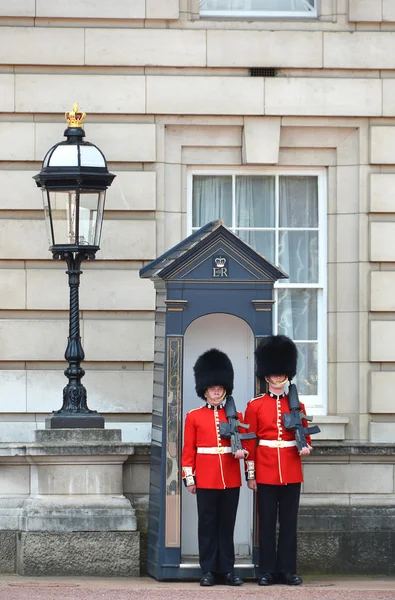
{"points": [[280, 444], [220, 450]]}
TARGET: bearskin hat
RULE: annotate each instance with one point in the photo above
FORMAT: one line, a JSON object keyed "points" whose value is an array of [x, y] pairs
{"points": [[213, 368], [276, 355]]}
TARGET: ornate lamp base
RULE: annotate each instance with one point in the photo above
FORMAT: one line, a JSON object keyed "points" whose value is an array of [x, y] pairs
{"points": [[74, 413], [64, 420]]}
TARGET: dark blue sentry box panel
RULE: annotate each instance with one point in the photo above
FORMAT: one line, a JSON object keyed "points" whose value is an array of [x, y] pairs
{"points": [[211, 271]]}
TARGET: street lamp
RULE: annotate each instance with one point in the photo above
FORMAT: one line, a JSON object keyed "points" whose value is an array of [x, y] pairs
{"points": [[74, 179]]}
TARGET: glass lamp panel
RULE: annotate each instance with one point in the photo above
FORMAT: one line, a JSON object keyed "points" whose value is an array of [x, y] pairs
{"points": [[100, 216], [298, 313], [298, 201], [63, 156], [261, 241], [91, 157], [48, 216], [63, 212], [71, 199], [211, 200], [307, 376], [90, 209], [255, 201], [46, 158], [298, 255]]}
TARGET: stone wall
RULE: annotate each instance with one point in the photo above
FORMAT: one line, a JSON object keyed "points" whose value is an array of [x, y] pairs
{"points": [[346, 518]]}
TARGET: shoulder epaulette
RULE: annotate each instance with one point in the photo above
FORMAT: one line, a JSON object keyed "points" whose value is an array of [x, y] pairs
{"points": [[193, 409], [257, 397]]}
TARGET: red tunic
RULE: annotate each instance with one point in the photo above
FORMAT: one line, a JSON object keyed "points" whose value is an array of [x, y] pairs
{"points": [[275, 466], [211, 471]]}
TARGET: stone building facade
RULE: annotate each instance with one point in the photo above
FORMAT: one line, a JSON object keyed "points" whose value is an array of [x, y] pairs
{"points": [[182, 96]]}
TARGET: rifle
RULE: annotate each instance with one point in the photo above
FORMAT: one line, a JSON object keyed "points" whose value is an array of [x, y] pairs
{"points": [[231, 428], [293, 420]]}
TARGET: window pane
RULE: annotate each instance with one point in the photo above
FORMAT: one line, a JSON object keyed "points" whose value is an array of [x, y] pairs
{"points": [[307, 375], [261, 241], [297, 314], [258, 5], [255, 201], [298, 201], [298, 255], [212, 199]]}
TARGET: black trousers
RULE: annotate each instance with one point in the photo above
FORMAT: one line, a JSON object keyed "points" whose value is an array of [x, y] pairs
{"points": [[281, 500], [216, 522]]}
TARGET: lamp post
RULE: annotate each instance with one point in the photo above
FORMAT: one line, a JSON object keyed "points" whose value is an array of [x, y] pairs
{"points": [[74, 179]]}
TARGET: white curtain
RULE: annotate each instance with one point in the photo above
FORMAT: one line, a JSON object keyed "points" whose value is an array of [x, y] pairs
{"points": [[298, 246], [212, 199], [255, 207], [255, 201], [257, 5]]}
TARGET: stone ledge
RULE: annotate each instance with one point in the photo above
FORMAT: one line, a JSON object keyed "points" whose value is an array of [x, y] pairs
{"points": [[353, 448], [141, 450], [347, 518], [17, 450], [62, 514], [347, 500], [330, 419], [58, 436], [332, 427]]}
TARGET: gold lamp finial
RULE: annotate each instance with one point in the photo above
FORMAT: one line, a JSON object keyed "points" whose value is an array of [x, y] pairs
{"points": [[75, 118]]}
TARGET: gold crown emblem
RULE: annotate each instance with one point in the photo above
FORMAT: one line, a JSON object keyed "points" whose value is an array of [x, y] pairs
{"points": [[74, 117], [220, 261]]}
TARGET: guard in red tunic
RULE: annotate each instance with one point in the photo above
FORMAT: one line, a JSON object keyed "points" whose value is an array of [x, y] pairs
{"points": [[211, 471], [274, 466]]}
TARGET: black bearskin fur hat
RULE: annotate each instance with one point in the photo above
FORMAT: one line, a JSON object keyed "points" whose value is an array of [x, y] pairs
{"points": [[213, 368], [276, 355]]}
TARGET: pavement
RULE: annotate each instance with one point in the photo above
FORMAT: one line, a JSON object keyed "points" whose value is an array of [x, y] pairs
{"points": [[13, 587]]}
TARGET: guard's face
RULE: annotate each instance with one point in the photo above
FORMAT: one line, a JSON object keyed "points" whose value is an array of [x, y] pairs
{"points": [[277, 382], [215, 394]]}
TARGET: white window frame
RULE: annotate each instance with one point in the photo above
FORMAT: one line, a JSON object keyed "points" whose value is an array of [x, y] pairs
{"points": [[316, 405], [257, 14]]}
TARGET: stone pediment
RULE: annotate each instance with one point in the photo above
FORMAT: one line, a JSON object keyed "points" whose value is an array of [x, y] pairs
{"points": [[215, 254]]}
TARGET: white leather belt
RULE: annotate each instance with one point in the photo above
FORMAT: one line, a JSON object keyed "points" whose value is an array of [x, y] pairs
{"points": [[215, 450], [277, 443]]}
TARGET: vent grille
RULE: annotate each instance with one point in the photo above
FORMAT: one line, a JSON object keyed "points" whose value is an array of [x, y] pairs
{"points": [[262, 72]]}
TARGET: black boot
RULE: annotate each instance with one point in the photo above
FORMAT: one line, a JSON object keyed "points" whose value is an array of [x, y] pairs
{"points": [[289, 579], [232, 579], [207, 579], [267, 579]]}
